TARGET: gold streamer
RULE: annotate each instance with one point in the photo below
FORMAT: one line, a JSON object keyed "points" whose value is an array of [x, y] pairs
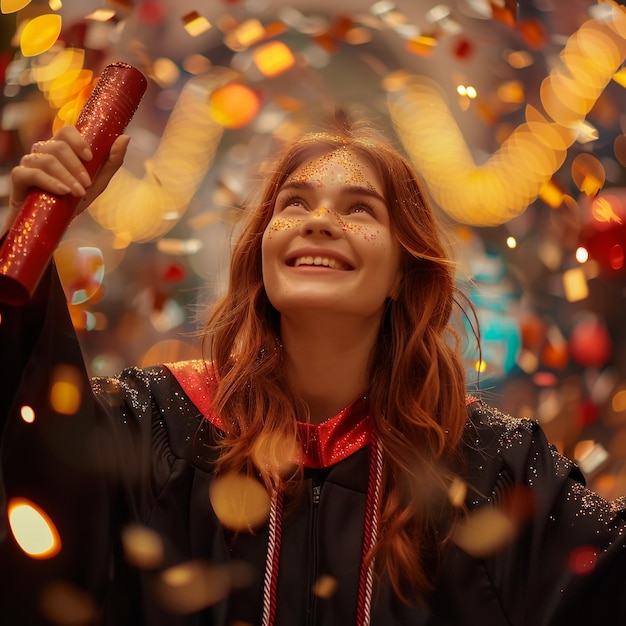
{"points": [[504, 186], [143, 209]]}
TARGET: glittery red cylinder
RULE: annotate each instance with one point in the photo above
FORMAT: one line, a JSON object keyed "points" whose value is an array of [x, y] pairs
{"points": [[44, 217]]}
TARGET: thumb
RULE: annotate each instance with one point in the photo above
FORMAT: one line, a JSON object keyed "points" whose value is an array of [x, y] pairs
{"points": [[106, 171]]}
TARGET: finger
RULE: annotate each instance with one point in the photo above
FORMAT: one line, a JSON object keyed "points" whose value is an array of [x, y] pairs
{"points": [[115, 158], [44, 154], [24, 178], [48, 173], [71, 136]]}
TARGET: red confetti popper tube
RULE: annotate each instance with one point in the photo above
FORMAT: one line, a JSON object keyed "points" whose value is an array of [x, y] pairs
{"points": [[44, 217]]}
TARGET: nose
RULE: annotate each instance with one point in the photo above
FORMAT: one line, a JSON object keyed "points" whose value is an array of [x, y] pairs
{"points": [[322, 221]]}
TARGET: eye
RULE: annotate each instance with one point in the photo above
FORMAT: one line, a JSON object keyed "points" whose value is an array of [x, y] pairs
{"points": [[362, 206], [291, 200]]}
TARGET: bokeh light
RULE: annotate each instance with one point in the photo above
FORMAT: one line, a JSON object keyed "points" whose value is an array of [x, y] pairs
{"points": [[240, 502], [33, 529], [234, 105]]}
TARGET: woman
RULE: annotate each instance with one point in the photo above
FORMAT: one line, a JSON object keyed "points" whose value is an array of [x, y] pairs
{"points": [[323, 464]]}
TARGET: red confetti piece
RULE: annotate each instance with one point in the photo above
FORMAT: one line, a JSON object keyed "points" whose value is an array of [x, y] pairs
{"points": [[533, 32], [174, 273], [583, 560]]}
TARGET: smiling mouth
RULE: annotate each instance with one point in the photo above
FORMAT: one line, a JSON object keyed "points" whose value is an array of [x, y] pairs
{"points": [[319, 261]]}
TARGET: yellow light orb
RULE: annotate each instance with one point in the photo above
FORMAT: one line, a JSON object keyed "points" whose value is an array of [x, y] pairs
{"points": [[234, 105]]}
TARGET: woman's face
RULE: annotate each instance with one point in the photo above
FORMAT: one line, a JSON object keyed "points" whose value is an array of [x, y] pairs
{"points": [[329, 245]]}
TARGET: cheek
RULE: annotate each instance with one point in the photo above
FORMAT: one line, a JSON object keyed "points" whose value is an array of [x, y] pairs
{"points": [[362, 231], [280, 225]]}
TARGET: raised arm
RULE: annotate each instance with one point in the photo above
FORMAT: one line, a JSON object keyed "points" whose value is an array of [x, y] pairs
{"points": [[56, 166]]}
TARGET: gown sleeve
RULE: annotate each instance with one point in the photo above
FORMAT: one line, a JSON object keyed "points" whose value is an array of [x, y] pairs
{"points": [[86, 458], [567, 563]]}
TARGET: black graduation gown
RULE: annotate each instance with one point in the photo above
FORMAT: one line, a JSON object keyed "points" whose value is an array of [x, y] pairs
{"points": [[137, 451]]}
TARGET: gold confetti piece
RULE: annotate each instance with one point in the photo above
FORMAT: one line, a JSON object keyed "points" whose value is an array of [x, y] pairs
{"points": [[358, 35], [122, 5], [457, 492], [143, 547], [192, 586], [11, 6], [620, 77], [274, 29], [519, 59], [590, 455], [240, 502], [196, 64], [176, 247], [68, 85], [603, 211], [575, 285], [588, 174], [325, 587], [247, 33], [65, 389], [421, 45], [511, 91], [101, 15], [195, 24], [505, 12], [552, 194], [484, 532], [67, 605], [40, 34], [165, 72], [32, 529], [275, 454], [273, 58], [47, 68]]}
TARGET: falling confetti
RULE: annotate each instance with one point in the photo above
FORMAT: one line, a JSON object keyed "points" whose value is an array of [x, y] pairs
{"points": [[240, 502]]}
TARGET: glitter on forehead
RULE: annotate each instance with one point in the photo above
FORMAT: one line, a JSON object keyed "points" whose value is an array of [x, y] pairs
{"points": [[341, 165], [317, 137]]}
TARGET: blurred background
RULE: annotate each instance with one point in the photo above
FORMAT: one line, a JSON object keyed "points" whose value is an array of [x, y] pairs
{"points": [[513, 113]]}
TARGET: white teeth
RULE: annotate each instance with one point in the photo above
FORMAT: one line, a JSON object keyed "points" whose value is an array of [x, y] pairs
{"points": [[318, 260]]}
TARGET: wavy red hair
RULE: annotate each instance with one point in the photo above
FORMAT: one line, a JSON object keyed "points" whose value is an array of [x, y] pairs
{"points": [[417, 381]]}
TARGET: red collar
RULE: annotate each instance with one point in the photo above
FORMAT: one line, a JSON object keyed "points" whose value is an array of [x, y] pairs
{"points": [[322, 444]]}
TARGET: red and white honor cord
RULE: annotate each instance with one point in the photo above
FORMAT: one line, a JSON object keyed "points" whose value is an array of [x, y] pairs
{"points": [[370, 535]]}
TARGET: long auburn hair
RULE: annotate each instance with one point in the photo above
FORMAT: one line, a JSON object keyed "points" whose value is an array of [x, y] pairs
{"points": [[416, 396]]}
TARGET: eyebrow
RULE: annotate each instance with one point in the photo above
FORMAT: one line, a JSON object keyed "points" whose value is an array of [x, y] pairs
{"points": [[351, 189]]}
